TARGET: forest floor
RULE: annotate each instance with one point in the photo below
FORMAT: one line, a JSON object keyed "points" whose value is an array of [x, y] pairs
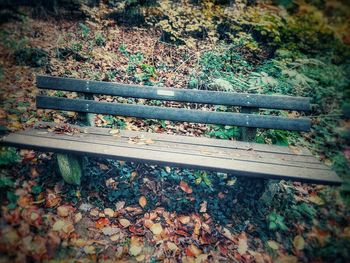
{"points": [[131, 212]]}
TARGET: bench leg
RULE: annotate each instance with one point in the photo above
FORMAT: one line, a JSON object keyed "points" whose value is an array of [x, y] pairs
{"points": [[271, 189], [70, 168]]}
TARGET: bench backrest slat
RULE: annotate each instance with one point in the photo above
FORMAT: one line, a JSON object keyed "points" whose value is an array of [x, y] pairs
{"points": [[174, 114], [174, 94]]}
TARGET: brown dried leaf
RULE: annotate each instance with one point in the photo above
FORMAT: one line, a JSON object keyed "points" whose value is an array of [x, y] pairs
{"points": [[142, 201], [124, 222], [184, 186]]}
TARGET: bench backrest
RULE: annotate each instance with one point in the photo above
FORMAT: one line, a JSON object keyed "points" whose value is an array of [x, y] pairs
{"points": [[244, 100]]}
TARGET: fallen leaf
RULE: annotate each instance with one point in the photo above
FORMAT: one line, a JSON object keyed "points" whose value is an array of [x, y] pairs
{"points": [[124, 222], [68, 228], [346, 232], [77, 217], [273, 244], [298, 242], [102, 222], [172, 246], [184, 219], [156, 229], [203, 207], [135, 246], [90, 250], [227, 233], [193, 251], [143, 201], [108, 212], [119, 205], [85, 207], [115, 237], [316, 200], [111, 183], [58, 225], [64, 210], [109, 231], [133, 175], [148, 223], [321, 235], [103, 166], [94, 212], [115, 132], [184, 186], [242, 244], [78, 242]]}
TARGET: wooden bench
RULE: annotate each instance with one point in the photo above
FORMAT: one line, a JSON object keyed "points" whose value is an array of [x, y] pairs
{"points": [[238, 158]]}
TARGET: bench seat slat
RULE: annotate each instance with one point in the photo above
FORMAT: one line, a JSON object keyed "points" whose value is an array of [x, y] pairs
{"points": [[202, 141], [190, 149], [152, 112], [183, 95], [98, 146]]}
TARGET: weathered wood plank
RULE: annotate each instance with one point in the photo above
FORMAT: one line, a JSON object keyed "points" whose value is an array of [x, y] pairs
{"points": [[171, 147], [203, 141], [235, 167], [153, 112], [173, 94]]}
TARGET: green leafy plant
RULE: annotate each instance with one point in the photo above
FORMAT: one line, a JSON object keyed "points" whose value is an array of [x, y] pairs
{"points": [[34, 57], [276, 222], [202, 177], [8, 155], [224, 132], [84, 30], [100, 40]]}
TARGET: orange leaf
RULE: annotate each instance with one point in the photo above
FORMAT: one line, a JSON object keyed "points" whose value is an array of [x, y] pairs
{"points": [[102, 222], [184, 219], [143, 201], [184, 186], [193, 251]]}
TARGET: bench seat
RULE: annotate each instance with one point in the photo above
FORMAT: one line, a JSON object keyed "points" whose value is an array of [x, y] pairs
{"points": [[233, 157]]}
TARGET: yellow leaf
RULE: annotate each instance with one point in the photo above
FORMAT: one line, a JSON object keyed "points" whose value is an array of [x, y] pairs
{"points": [[135, 246], [299, 242], [89, 250], [242, 244], [172, 246], [63, 210], [193, 251], [77, 217], [156, 229], [273, 244], [68, 228], [58, 225], [316, 200], [140, 258], [143, 201], [109, 212], [94, 212], [148, 223]]}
